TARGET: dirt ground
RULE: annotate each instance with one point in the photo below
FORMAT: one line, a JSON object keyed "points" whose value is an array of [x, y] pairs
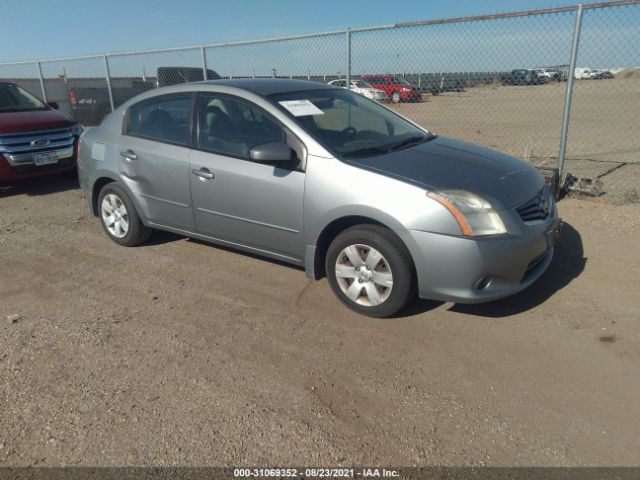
{"points": [[526, 121], [180, 353]]}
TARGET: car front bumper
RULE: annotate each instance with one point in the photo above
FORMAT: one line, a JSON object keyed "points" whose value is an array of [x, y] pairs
{"points": [[26, 170], [475, 270]]}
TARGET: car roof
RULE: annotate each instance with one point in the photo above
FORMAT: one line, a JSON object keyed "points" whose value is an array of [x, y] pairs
{"points": [[268, 86]]}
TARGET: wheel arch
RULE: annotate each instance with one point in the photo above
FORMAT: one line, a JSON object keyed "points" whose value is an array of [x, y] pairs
{"points": [[330, 232], [98, 185]]}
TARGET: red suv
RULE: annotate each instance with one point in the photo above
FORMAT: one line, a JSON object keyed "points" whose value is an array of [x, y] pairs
{"points": [[397, 88], [35, 139]]}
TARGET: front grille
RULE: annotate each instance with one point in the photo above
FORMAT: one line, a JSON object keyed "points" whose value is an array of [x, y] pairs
{"points": [[538, 208], [18, 148]]}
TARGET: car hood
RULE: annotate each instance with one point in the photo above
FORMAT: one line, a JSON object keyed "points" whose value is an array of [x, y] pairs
{"points": [[11, 122], [443, 163]]}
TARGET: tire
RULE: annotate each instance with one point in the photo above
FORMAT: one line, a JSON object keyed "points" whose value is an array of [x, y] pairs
{"points": [[380, 256], [395, 97], [127, 229]]}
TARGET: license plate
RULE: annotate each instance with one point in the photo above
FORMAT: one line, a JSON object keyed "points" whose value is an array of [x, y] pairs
{"points": [[46, 158]]}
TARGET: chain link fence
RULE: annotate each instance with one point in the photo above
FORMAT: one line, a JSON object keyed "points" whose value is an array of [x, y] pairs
{"points": [[558, 87]]}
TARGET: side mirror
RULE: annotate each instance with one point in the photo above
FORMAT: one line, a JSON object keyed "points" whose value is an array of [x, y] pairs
{"points": [[272, 152], [53, 105]]}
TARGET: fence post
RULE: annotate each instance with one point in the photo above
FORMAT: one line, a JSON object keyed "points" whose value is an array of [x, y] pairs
{"points": [[569, 93], [348, 32], [108, 77], [203, 54], [44, 92]]}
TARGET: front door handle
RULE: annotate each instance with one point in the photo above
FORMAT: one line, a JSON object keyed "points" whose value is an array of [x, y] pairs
{"points": [[129, 155], [203, 173]]}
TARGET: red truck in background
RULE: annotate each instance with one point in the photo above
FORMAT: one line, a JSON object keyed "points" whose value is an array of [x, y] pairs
{"points": [[35, 139]]}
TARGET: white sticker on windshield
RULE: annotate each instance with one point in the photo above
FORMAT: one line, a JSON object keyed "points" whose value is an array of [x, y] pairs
{"points": [[300, 108]]}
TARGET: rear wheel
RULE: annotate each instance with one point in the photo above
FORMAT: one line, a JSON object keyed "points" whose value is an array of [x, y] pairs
{"points": [[119, 218], [370, 270]]}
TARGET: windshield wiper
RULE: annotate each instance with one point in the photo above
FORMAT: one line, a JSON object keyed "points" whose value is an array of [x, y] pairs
{"points": [[407, 142], [414, 140], [366, 151]]}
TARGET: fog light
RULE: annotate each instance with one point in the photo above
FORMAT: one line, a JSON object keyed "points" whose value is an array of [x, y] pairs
{"points": [[482, 283]]}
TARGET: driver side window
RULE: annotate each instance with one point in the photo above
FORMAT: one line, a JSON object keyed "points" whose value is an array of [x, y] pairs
{"points": [[232, 127]]}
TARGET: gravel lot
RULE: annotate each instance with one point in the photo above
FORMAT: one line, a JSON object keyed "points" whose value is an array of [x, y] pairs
{"points": [[180, 353]]}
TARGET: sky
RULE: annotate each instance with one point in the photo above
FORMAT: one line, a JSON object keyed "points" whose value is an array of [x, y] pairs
{"points": [[41, 29], [57, 28]]}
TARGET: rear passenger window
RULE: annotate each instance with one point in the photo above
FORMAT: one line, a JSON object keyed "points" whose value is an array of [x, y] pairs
{"points": [[165, 119]]}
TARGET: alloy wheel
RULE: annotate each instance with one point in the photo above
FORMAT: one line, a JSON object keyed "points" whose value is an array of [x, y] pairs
{"points": [[115, 215]]}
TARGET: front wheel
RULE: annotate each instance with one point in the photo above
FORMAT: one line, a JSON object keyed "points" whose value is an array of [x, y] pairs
{"points": [[119, 218], [370, 270], [395, 97]]}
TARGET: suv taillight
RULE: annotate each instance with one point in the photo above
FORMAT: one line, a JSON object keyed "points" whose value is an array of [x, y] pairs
{"points": [[72, 98]]}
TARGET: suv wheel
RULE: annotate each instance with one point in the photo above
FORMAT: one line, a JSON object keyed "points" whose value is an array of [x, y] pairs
{"points": [[119, 218], [395, 97], [370, 270]]}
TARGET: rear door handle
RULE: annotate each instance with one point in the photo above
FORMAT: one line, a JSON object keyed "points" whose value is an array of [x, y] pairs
{"points": [[203, 173], [129, 155]]}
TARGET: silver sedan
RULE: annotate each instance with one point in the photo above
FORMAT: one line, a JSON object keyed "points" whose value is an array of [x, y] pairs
{"points": [[318, 176]]}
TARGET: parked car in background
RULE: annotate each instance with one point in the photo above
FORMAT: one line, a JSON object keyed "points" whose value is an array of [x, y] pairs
{"points": [[91, 104], [321, 177], [522, 77], [549, 74], [601, 74], [581, 73], [363, 88], [35, 139], [396, 88]]}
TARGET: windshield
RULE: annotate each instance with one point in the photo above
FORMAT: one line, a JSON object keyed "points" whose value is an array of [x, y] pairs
{"points": [[349, 124], [400, 80], [361, 84], [16, 99]]}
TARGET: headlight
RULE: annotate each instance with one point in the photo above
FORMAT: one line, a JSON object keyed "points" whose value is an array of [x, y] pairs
{"points": [[405, 89], [474, 214], [76, 129]]}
